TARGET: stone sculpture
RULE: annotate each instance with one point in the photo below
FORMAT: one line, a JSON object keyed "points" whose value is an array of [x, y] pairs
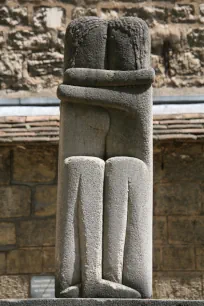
{"points": [[104, 212]]}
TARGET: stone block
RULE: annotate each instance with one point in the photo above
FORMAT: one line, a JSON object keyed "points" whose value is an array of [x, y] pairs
{"points": [[24, 261], [158, 65], [177, 199], [186, 230], [59, 42], [183, 167], [80, 11], [150, 14], [161, 33], [195, 37], [29, 40], [2, 263], [45, 200], [4, 166], [34, 165], [157, 258], [11, 69], [48, 17], [13, 16], [36, 233], [183, 13], [159, 230], [184, 147], [48, 260], [201, 9], [14, 287], [157, 167], [7, 233], [184, 64], [177, 285], [15, 201], [178, 258], [45, 63], [200, 258], [2, 39]]}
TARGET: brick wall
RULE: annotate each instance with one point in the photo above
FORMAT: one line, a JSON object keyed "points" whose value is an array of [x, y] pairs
{"points": [[32, 33], [28, 181]]}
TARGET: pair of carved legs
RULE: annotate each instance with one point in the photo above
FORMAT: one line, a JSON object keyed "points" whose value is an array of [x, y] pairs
{"points": [[106, 228]]}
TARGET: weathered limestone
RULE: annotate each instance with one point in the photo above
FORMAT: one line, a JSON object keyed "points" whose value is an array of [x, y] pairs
{"points": [[104, 213]]}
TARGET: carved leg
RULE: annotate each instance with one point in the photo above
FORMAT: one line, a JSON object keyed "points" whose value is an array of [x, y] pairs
{"points": [[137, 264], [90, 217], [84, 238], [67, 239], [82, 225], [126, 211], [115, 224]]}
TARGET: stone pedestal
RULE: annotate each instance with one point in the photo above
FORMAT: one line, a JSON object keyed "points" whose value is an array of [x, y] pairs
{"points": [[99, 302]]}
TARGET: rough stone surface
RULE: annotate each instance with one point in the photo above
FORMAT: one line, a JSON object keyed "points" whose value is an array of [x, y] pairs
{"points": [[15, 201], [185, 230], [160, 230], [4, 166], [178, 286], [178, 258], [45, 63], [29, 233], [11, 69], [183, 13], [99, 302], [14, 287], [2, 40], [7, 233], [200, 258], [196, 37], [157, 258], [148, 13], [13, 16], [114, 228], [188, 167], [79, 11], [24, 261], [178, 199], [30, 40], [48, 260], [48, 17], [33, 166], [39, 26], [2, 263], [45, 200]]}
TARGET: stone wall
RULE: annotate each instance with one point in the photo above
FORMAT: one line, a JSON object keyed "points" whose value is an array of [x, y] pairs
{"points": [[32, 33], [28, 184]]}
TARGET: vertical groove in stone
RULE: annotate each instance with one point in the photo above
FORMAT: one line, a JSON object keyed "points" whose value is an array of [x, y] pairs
{"points": [[119, 44]]}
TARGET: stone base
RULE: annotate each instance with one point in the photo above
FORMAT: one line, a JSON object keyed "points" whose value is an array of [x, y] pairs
{"points": [[99, 302]]}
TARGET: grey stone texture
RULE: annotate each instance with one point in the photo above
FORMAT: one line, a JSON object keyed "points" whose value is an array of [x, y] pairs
{"points": [[98, 302], [104, 211]]}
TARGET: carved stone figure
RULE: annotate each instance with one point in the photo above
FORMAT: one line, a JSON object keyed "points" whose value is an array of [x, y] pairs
{"points": [[104, 212]]}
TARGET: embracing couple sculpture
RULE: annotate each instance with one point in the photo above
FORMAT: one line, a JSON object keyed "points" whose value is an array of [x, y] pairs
{"points": [[104, 211]]}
